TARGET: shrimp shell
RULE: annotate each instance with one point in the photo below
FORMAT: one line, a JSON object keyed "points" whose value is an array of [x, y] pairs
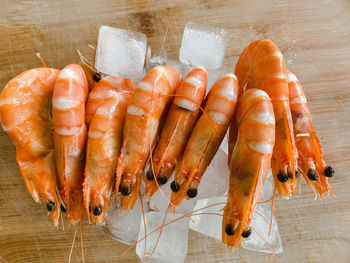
{"points": [[261, 65], [177, 128], [105, 113], [147, 105], [68, 112], [206, 138], [310, 162], [25, 116], [249, 163]]}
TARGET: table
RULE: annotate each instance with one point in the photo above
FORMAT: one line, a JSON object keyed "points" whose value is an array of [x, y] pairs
{"points": [[313, 35]]}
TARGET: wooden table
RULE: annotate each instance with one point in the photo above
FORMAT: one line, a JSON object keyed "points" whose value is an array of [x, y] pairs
{"points": [[315, 39]]}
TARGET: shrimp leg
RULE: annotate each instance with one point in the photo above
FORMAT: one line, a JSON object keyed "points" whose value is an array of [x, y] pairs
{"points": [[206, 138], [177, 128], [105, 114], [144, 113], [25, 117], [249, 164], [68, 112], [310, 163]]}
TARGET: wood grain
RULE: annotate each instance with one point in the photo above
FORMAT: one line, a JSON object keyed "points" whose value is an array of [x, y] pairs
{"points": [[314, 37]]}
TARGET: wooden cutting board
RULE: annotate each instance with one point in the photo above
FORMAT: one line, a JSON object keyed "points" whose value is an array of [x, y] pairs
{"points": [[313, 35]]}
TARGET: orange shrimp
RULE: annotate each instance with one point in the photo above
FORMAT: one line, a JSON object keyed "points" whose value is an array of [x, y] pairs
{"points": [[310, 162], [68, 112], [144, 113], [261, 65], [25, 117], [249, 164], [177, 128], [206, 138], [105, 113]]}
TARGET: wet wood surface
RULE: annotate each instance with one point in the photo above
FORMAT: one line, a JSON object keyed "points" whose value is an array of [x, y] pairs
{"points": [[313, 35]]}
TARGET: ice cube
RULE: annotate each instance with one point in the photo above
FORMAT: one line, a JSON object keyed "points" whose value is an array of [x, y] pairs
{"points": [[203, 45], [184, 69], [209, 225], [224, 144], [259, 240], [123, 228], [159, 59], [120, 52], [214, 183], [172, 246], [214, 74], [160, 200], [215, 180]]}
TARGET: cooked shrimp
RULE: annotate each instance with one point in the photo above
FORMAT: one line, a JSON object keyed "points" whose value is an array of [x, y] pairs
{"points": [[261, 65], [177, 128], [25, 117], [110, 88], [68, 112], [205, 138], [144, 113], [105, 113], [249, 164], [310, 163]]}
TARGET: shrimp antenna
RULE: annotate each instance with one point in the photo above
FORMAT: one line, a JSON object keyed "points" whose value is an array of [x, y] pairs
{"points": [[91, 46], [175, 220], [160, 233], [71, 249], [163, 224], [190, 63], [240, 257], [41, 59], [86, 61], [162, 45], [144, 225], [62, 221], [272, 207], [82, 241], [267, 243]]}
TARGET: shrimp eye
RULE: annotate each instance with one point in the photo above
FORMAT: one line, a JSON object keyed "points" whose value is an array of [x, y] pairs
{"points": [[247, 233], [282, 177], [296, 174], [229, 230], [149, 176], [329, 171], [97, 77], [63, 209], [175, 187], [50, 206], [312, 175], [98, 211], [125, 190], [162, 180], [192, 193]]}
